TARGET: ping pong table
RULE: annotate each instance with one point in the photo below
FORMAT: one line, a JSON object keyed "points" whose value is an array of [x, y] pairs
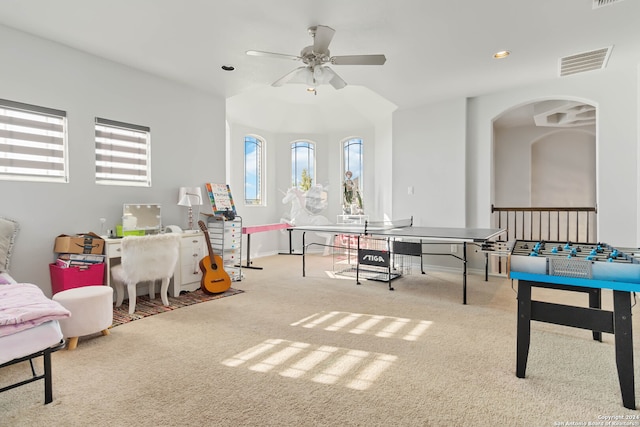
{"points": [[403, 231]]}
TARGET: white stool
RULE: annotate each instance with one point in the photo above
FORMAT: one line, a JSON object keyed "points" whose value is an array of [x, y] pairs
{"points": [[91, 310]]}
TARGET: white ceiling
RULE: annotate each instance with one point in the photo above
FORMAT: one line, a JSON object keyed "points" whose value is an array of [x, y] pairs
{"points": [[434, 50]]}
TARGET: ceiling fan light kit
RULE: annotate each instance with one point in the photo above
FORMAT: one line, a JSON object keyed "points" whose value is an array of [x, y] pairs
{"points": [[315, 72]]}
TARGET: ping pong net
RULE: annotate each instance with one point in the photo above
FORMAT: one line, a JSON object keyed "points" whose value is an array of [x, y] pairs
{"points": [[373, 226]]}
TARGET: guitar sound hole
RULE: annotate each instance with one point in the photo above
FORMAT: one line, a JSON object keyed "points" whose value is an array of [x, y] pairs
{"points": [[214, 266]]}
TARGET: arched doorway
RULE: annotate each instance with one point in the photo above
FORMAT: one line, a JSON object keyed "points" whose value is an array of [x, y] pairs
{"points": [[544, 156]]}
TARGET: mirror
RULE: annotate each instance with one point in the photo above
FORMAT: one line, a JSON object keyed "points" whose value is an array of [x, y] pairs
{"points": [[138, 216]]}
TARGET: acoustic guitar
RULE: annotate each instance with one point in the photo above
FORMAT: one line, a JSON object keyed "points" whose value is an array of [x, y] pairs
{"points": [[214, 278]]}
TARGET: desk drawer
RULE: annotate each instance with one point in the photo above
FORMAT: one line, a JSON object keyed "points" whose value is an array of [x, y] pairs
{"points": [[192, 250], [114, 250], [188, 274]]}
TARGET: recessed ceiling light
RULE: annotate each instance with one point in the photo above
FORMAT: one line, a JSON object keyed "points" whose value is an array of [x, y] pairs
{"points": [[228, 67], [501, 54]]}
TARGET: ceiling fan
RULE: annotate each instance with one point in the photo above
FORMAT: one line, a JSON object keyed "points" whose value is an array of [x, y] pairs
{"points": [[316, 57]]}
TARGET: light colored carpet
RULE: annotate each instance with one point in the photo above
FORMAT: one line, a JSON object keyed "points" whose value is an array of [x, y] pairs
{"points": [[316, 351]]}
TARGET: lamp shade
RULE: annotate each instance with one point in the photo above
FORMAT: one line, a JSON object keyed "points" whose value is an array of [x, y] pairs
{"points": [[184, 201], [190, 196]]}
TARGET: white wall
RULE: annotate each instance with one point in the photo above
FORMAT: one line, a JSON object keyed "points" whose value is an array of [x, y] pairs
{"points": [[254, 215], [512, 165], [615, 95], [563, 170], [187, 143], [429, 155], [446, 151], [536, 166], [380, 197]]}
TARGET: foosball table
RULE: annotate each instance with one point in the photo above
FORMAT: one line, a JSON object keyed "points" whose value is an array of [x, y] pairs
{"points": [[578, 267]]}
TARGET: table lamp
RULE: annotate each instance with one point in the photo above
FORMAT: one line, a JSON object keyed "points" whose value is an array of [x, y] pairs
{"points": [[189, 197]]}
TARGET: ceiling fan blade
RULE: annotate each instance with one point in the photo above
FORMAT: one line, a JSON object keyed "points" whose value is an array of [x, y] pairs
{"points": [[332, 78], [299, 75], [322, 36], [358, 60], [272, 55]]}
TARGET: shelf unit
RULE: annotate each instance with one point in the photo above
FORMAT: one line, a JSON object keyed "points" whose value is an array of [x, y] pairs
{"points": [[226, 241]]}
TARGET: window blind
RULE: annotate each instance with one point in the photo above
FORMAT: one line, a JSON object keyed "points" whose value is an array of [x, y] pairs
{"points": [[122, 153], [33, 143]]}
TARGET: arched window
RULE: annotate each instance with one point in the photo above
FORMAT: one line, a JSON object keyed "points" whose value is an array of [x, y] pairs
{"points": [[254, 148], [303, 161], [352, 167]]}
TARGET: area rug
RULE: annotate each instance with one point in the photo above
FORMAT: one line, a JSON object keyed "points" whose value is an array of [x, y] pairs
{"points": [[146, 307]]}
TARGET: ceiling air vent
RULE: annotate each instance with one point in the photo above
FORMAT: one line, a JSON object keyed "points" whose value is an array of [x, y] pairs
{"points": [[602, 3], [586, 61]]}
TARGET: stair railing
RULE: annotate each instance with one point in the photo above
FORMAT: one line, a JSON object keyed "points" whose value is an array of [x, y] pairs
{"points": [[575, 224]]}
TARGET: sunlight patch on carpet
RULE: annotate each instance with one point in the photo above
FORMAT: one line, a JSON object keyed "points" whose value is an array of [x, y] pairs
{"points": [[334, 275], [370, 324], [354, 369], [146, 307]]}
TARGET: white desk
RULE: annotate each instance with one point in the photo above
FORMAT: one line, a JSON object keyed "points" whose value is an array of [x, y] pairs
{"points": [[187, 275]]}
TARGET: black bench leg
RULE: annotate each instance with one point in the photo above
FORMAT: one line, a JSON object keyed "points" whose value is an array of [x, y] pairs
{"points": [[48, 382], [624, 346], [595, 301], [524, 327]]}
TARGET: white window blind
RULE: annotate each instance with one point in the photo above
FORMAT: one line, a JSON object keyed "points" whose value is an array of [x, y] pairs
{"points": [[33, 143], [122, 153]]}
